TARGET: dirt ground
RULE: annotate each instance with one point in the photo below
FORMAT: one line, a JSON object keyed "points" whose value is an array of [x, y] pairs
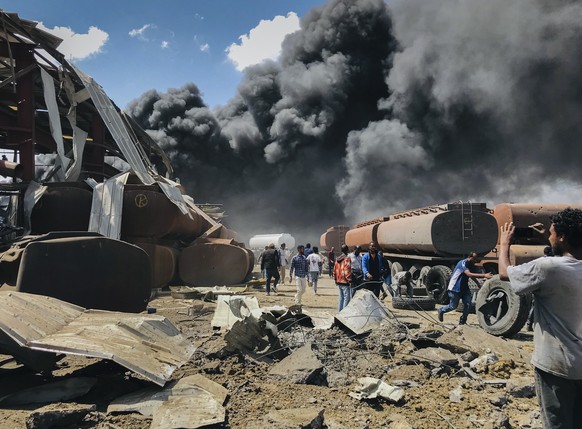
{"points": [[435, 395]]}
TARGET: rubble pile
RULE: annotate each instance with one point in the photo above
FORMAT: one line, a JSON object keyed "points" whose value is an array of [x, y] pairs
{"points": [[256, 365]]}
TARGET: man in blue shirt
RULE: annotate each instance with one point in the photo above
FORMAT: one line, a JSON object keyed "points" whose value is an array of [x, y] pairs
{"points": [[459, 287], [372, 269], [299, 266]]}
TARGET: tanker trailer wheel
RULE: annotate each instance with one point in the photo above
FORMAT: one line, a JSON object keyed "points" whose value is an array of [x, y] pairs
{"points": [[437, 282], [499, 310], [396, 268], [414, 303], [474, 288]]}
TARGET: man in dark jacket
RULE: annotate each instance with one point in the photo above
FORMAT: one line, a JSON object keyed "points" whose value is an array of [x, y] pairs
{"points": [[270, 263]]}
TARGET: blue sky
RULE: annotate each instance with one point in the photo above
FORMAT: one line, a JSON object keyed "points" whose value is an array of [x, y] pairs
{"points": [[131, 46]]}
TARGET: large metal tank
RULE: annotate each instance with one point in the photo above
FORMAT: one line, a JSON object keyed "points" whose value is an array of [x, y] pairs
{"points": [[262, 240], [362, 236], [524, 215], [448, 230], [333, 237]]}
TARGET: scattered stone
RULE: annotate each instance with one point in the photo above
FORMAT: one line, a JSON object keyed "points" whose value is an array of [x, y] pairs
{"points": [[58, 415], [372, 388], [502, 369], [497, 420], [434, 356], [469, 356], [456, 395], [337, 378], [521, 387], [296, 418], [499, 400], [398, 421], [301, 367], [481, 364]]}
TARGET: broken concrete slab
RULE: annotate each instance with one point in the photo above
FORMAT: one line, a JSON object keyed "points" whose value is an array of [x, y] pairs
{"points": [[364, 313], [434, 356], [147, 401], [300, 367], [58, 391], [296, 418], [231, 309], [189, 412], [521, 387], [481, 363], [466, 338], [149, 345], [58, 415], [254, 336], [372, 388]]}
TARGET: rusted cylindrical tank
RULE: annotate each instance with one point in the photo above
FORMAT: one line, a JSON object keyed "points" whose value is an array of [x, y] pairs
{"points": [[213, 263], [362, 236], [441, 232], [164, 262], [520, 253], [524, 215], [65, 206], [147, 212], [333, 237]]}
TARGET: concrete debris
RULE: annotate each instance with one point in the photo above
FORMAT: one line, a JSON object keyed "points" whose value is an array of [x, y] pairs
{"points": [[58, 391], [456, 395], [468, 338], [320, 319], [296, 418], [434, 356], [498, 420], [252, 335], [58, 416], [482, 363], [192, 402], [146, 344], [230, 309], [372, 388], [301, 367], [364, 313], [499, 400], [206, 293], [398, 421], [521, 387]]}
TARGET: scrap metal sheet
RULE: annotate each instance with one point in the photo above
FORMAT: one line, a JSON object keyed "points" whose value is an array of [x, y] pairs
{"points": [[149, 345], [364, 313]]}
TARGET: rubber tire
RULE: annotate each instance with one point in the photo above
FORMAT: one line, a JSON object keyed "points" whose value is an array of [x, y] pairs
{"points": [[514, 308], [439, 274], [474, 288], [414, 303], [396, 268]]}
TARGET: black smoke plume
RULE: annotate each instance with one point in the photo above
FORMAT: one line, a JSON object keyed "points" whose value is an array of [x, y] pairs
{"points": [[374, 108]]}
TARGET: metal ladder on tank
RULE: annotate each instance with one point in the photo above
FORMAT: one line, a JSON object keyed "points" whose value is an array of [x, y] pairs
{"points": [[467, 220]]}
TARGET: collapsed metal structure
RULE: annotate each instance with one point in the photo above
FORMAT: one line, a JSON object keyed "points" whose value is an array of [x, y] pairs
{"points": [[89, 183]]}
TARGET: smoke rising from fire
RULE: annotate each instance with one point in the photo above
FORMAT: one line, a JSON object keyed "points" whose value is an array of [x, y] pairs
{"points": [[374, 108]]}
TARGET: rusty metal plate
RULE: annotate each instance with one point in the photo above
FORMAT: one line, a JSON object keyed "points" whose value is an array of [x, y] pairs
{"points": [[148, 345]]}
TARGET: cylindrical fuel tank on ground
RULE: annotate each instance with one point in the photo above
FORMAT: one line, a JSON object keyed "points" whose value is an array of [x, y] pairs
{"points": [[262, 240], [524, 215], [443, 233], [212, 264], [147, 212], [362, 236], [63, 207], [333, 237], [164, 262]]}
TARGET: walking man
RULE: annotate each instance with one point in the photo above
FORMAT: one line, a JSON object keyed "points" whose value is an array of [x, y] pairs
{"points": [[331, 261], [315, 263], [343, 276], [284, 261], [556, 284], [299, 266], [270, 264], [459, 287]]}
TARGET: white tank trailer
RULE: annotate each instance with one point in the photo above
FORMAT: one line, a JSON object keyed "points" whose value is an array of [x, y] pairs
{"points": [[258, 242]]}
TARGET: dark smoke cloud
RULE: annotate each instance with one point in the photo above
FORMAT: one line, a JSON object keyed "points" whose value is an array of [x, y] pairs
{"points": [[375, 108]]}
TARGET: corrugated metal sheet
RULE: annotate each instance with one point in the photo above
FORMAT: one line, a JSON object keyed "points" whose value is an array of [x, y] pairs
{"points": [[107, 207], [146, 344]]}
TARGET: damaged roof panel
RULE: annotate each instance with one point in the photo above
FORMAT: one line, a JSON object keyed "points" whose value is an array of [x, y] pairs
{"points": [[146, 344]]}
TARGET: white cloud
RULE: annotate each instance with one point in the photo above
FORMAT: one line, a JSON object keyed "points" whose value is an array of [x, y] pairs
{"points": [[140, 32], [262, 42], [205, 47], [165, 44], [78, 46]]}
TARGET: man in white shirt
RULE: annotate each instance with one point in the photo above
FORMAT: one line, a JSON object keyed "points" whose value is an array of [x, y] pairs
{"points": [[556, 284], [284, 255], [315, 263]]}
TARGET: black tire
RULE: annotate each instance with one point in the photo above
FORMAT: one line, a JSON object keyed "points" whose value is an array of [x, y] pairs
{"points": [[414, 303], [499, 310], [437, 282], [396, 268], [474, 287], [415, 271]]}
